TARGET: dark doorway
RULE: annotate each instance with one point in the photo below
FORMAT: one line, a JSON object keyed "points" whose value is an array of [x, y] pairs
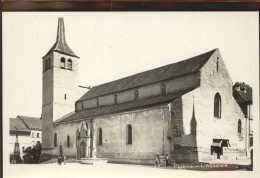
{"points": [[83, 149]]}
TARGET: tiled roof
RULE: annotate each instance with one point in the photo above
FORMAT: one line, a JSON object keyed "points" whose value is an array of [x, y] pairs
{"points": [[16, 124], [240, 95], [190, 65], [61, 45], [138, 104], [32, 123]]}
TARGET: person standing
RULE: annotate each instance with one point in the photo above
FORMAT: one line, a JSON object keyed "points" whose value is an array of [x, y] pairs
{"points": [[167, 160], [39, 150], [157, 163]]}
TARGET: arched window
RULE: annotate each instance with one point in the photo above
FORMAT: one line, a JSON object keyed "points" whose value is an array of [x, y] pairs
{"points": [[62, 63], [239, 127], [86, 128], [99, 136], [163, 89], [217, 64], [55, 139], [69, 64], [217, 106], [68, 141], [136, 94], [129, 134]]}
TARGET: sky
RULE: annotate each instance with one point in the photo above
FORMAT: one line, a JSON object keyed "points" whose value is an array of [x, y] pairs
{"points": [[115, 45]]}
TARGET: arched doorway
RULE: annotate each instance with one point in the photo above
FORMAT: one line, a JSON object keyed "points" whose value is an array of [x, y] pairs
{"points": [[83, 149]]}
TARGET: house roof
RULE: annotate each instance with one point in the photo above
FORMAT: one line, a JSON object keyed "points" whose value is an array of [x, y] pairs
{"points": [[16, 124], [239, 93], [61, 45], [99, 111], [32, 123], [190, 65]]}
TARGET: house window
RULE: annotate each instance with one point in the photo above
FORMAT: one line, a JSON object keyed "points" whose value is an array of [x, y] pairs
{"points": [[136, 94], [32, 134], [239, 127], [217, 106], [99, 136], [129, 134], [68, 141], [69, 64], [38, 135], [55, 139], [62, 63], [163, 88], [65, 96]]}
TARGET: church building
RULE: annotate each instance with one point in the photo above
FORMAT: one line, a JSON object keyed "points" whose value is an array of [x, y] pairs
{"points": [[188, 110]]}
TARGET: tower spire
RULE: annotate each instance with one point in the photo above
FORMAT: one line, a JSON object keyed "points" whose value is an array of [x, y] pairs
{"points": [[60, 44], [61, 32]]}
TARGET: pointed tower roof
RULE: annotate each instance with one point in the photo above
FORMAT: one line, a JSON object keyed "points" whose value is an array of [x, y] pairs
{"points": [[61, 45]]}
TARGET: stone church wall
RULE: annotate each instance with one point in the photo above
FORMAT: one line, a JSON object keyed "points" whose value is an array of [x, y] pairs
{"points": [[174, 85], [106, 100], [182, 83], [207, 126], [63, 130], [149, 136], [149, 91], [125, 96], [90, 103]]}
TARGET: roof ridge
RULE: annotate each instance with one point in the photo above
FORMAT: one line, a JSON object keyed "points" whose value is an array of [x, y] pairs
{"points": [[28, 117], [157, 67], [24, 122]]}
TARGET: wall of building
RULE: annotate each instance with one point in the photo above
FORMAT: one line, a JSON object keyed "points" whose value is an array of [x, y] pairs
{"points": [[207, 126], [90, 103], [149, 135], [63, 131], [153, 122], [24, 141], [106, 100], [60, 91], [173, 85], [65, 83]]}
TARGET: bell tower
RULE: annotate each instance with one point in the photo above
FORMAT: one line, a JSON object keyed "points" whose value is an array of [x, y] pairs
{"points": [[59, 86]]}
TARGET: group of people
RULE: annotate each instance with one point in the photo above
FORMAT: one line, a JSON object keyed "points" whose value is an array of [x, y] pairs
{"points": [[161, 161], [32, 154]]}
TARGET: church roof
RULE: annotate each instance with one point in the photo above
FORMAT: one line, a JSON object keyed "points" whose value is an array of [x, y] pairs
{"points": [[61, 45], [190, 65], [122, 107]]}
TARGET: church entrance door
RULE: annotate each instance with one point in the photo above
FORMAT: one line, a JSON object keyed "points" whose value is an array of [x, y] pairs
{"points": [[83, 149]]}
